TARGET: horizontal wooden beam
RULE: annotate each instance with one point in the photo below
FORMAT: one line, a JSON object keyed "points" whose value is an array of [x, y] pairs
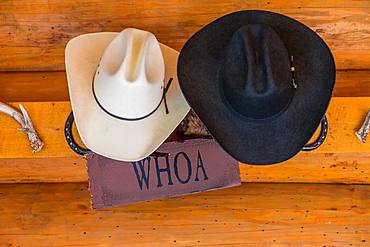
{"points": [[34, 34], [345, 115], [252, 214], [341, 159], [346, 168], [35, 86], [352, 83], [52, 86], [315, 4]]}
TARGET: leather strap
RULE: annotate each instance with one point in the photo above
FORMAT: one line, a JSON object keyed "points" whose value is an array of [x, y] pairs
{"points": [[321, 138], [69, 137]]}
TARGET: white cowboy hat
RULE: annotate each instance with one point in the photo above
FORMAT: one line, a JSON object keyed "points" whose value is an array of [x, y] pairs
{"points": [[124, 92]]}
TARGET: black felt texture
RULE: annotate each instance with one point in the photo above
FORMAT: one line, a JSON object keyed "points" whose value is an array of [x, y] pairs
{"points": [[235, 74]]}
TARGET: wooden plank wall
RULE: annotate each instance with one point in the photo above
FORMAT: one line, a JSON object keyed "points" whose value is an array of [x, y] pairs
{"points": [[33, 35]]}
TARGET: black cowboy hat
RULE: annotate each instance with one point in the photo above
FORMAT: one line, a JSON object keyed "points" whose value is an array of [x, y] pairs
{"points": [[260, 82]]}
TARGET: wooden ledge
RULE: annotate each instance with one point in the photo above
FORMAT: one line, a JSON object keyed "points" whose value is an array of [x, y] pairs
{"points": [[341, 159], [252, 214]]}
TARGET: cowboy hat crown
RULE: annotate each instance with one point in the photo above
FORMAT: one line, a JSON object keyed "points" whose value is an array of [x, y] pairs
{"points": [[257, 77], [129, 80]]}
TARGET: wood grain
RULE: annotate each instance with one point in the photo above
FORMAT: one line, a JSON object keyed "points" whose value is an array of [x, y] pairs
{"points": [[33, 34], [34, 86], [341, 159], [346, 168], [352, 83], [55, 170], [249, 215], [52, 86], [315, 4]]}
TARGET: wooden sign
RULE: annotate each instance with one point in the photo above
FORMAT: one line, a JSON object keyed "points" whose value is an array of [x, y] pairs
{"points": [[191, 166]]}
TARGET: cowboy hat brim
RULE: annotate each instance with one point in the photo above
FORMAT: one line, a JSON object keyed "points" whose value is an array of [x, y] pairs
{"points": [[266, 141], [108, 136]]}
